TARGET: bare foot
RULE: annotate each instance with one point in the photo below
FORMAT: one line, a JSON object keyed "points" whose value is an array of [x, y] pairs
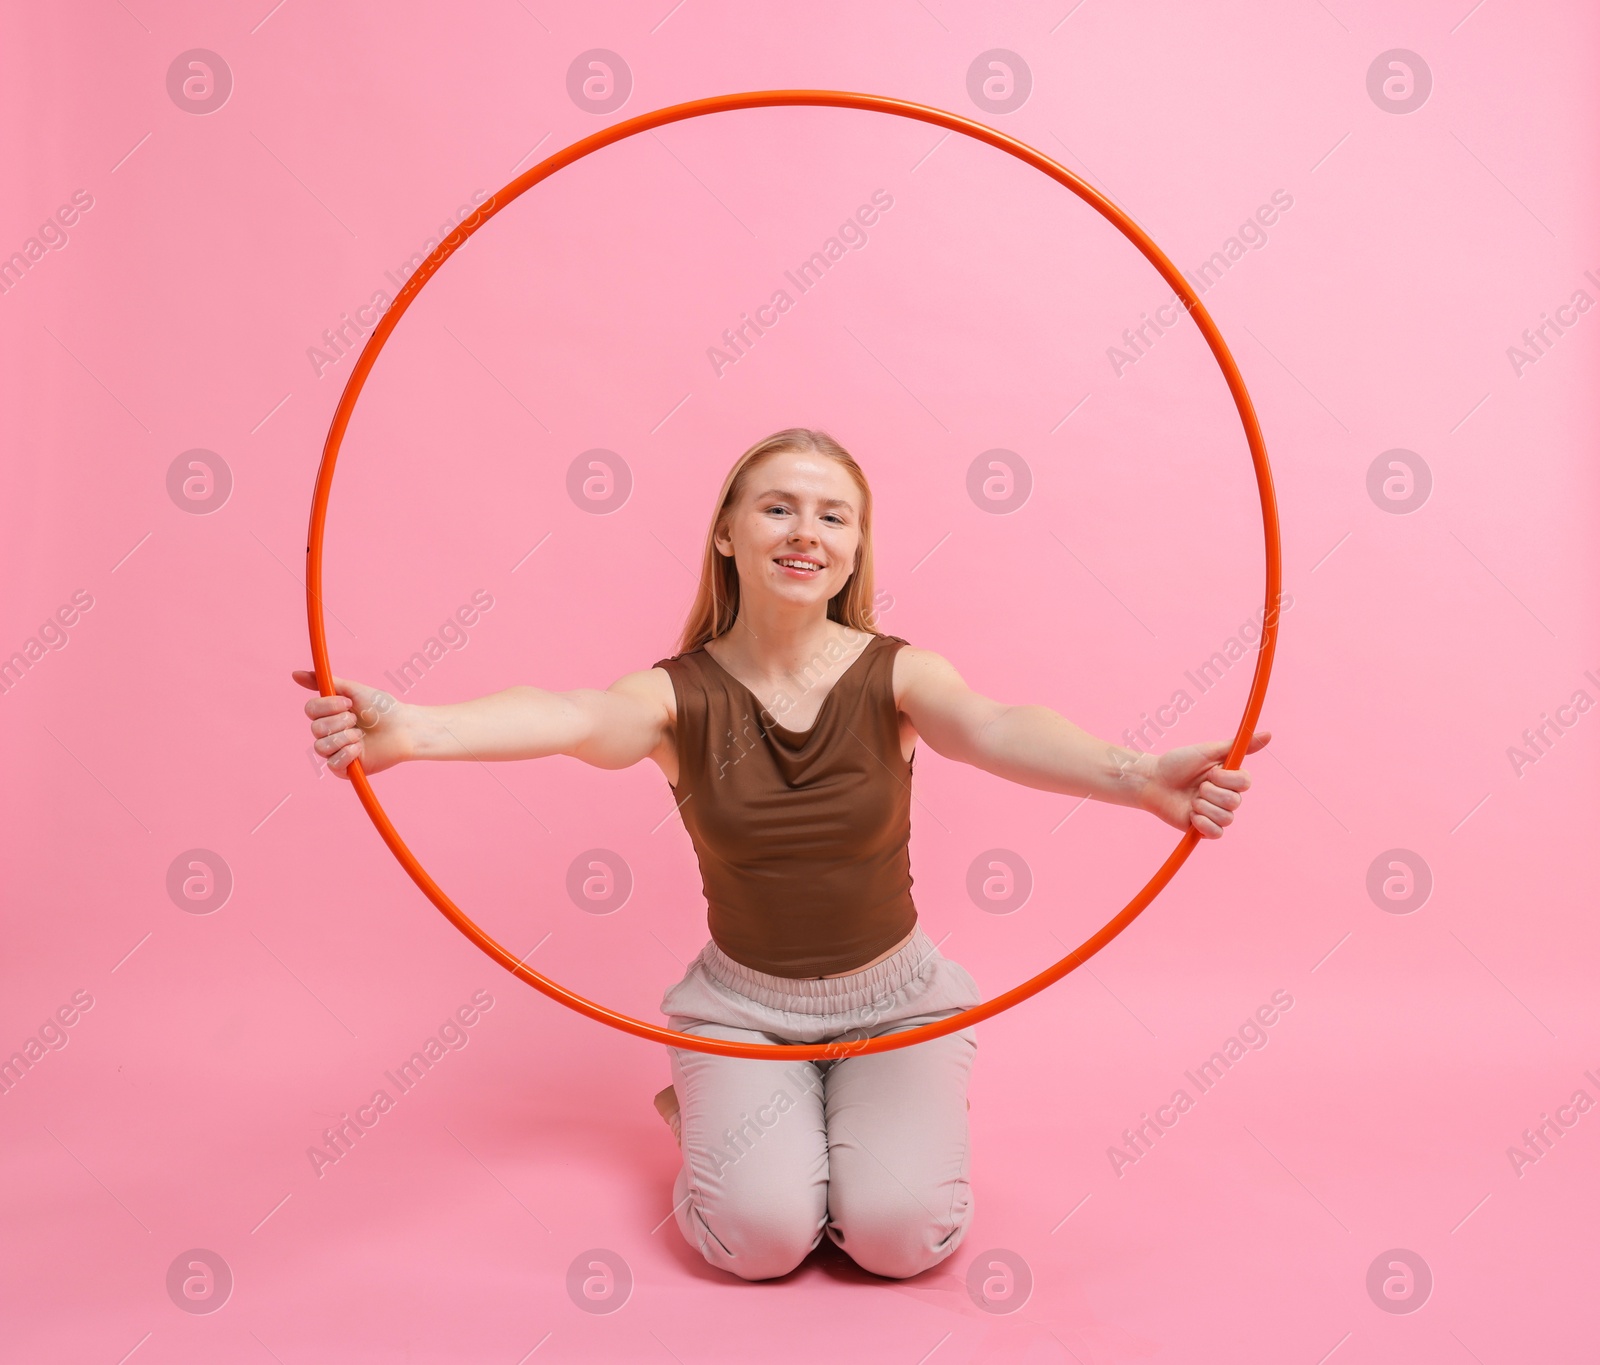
{"points": [[667, 1106]]}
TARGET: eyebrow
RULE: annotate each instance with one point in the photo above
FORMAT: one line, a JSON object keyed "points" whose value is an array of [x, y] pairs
{"points": [[795, 497]]}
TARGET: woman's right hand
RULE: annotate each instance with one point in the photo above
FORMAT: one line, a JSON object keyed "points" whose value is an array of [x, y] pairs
{"points": [[360, 722]]}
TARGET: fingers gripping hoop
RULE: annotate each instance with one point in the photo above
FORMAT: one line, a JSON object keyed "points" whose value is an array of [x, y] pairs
{"points": [[760, 99]]}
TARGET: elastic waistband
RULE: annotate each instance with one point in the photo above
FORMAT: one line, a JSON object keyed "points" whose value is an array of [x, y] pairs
{"points": [[823, 995]]}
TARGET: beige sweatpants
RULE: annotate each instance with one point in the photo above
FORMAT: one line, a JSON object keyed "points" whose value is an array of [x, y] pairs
{"points": [[871, 1150]]}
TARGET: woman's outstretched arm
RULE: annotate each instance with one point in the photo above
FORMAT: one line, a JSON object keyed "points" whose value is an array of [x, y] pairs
{"points": [[1037, 747], [611, 729]]}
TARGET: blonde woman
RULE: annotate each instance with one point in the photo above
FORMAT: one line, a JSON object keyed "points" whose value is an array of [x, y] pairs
{"points": [[786, 727]]}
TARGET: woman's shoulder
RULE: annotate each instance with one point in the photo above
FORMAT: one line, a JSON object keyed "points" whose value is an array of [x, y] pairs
{"points": [[910, 656], [892, 646], [686, 675], [687, 661], [914, 666]]}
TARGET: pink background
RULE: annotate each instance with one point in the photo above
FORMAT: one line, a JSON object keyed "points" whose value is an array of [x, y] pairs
{"points": [[1376, 315]]}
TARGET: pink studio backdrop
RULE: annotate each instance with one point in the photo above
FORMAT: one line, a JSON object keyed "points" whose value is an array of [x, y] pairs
{"points": [[1412, 872]]}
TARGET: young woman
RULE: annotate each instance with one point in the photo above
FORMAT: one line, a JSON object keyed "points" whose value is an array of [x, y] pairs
{"points": [[785, 726]]}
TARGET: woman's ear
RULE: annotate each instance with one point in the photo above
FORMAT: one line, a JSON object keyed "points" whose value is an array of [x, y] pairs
{"points": [[722, 540]]}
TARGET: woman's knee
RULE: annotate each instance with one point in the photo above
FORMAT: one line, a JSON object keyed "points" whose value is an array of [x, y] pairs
{"points": [[754, 1234], [896, 1234], [757, 1246]]}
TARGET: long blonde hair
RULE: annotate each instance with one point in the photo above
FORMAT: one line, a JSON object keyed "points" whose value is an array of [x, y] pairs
{"points": [[716, 601]]}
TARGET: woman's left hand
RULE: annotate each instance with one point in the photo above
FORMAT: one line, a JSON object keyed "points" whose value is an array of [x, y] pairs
{"points": [[1188, 787]]}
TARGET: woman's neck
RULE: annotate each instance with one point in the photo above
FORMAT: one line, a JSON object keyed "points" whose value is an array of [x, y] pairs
{"points": [[782, 645]]}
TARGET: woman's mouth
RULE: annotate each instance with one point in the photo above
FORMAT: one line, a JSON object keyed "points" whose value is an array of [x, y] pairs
{"points": [[799, 566]]}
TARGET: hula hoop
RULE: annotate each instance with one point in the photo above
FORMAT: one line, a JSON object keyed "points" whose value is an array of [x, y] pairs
{"points": [[759, 99]]}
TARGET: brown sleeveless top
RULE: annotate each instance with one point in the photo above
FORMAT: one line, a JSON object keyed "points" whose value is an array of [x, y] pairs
{"points": [[802, 836]]}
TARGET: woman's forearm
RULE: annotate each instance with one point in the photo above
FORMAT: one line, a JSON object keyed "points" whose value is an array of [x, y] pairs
{"points": [[520, 722], [1038, 747]]}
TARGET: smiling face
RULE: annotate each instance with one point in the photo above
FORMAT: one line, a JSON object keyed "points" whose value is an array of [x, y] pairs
{"points": [[794, 531]]}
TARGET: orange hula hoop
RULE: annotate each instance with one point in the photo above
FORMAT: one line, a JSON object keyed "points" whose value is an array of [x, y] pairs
{"points": [[760, 99]]}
